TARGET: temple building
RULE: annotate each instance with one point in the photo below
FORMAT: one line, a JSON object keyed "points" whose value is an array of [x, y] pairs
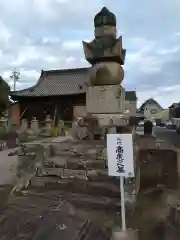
{"points": [[62, 89]]}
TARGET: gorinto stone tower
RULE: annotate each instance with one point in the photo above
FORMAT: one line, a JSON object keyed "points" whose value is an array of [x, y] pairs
{"points": [[105, 53]]}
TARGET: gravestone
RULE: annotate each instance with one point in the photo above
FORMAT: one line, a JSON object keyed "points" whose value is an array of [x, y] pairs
{"points": [[61, 128], [47, 129], [12, 137], [148, 127], [23, 127], [35, 126], [105, 96]]}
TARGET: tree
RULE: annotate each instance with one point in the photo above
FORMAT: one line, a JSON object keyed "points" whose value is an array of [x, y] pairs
{"points": [[4, 96]]}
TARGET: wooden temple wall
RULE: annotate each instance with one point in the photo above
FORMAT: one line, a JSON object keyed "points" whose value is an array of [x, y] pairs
{"points": [[67, 107], [14, 113], [79, 111]]}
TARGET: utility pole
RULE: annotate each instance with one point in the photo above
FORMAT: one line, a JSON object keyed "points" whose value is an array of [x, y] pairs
{"points": [[15, 78]]}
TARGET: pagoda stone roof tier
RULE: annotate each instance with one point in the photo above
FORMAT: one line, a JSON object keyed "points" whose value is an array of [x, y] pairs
{"points": [[62, 82]]}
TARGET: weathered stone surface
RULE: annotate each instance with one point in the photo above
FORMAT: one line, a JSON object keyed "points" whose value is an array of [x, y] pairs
{"points": [[28, 166], [23, 127], [106, 73], [93, 175], [86, 187], [146, 141], [77, 147], [35, 126], [47, 130], [159, 166], [79, 172], [33, 216], [130, 234], [74, 163], [105, 99]]}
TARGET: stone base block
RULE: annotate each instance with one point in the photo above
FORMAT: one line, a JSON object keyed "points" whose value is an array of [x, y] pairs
{"points": [[130, 234], [111, 119], [105, 99]]}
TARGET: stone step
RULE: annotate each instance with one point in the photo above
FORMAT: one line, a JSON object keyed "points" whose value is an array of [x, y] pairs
{"points": [[81, 200], [92, 175], [75, 163], [77, 186], [73, 149]]}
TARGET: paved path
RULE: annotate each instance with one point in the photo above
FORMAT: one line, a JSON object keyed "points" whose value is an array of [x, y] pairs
{"points": [[169, 135]]}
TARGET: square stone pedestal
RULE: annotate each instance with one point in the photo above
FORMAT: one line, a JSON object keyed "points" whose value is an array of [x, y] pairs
{"points": [[111, 119], [105, 99]]}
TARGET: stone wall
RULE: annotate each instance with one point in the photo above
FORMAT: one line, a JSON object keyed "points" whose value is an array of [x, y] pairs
{"points": [[146, 141], [159, 166]]}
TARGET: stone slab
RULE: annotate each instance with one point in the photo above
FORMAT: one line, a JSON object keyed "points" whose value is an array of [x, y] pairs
{"points": [[85, 187], [75, 163], [93, 175]]}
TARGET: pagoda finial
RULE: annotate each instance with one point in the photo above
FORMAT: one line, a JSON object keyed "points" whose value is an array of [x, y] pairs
{"points": [[104, 17]]}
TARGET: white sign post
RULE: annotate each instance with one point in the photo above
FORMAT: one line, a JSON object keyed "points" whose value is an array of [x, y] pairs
{"points": [[120, 163]]}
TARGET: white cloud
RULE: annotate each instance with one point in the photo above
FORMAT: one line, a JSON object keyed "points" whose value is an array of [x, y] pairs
{"points": [[168, 50], [70, 60], [5, 35], [31, 74], [142, 56], [150, 65], [72, 45], [51, 59]]}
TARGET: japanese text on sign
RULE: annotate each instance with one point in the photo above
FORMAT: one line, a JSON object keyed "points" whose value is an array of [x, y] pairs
{"points": [[120, 155]]}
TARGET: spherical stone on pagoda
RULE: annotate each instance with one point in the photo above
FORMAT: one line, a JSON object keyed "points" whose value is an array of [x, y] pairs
{"points": [[104, 17], [106, 73]]}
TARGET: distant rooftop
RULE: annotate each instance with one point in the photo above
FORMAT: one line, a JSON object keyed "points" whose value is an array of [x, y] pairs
{"points": [[62, 82], [149, 101]]}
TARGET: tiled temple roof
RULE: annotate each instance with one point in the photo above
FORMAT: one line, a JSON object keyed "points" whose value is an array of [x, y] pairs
{"points": [[62, 82], [57, 82]]}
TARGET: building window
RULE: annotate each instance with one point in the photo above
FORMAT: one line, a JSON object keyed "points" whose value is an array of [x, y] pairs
{"points": [[126, 110], [154, 111]]}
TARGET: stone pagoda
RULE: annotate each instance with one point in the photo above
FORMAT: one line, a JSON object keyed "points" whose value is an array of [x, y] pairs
{"points": [[105, 96]]}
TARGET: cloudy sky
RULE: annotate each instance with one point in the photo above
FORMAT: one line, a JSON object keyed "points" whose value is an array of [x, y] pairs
{"points": [[47, 34]]}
